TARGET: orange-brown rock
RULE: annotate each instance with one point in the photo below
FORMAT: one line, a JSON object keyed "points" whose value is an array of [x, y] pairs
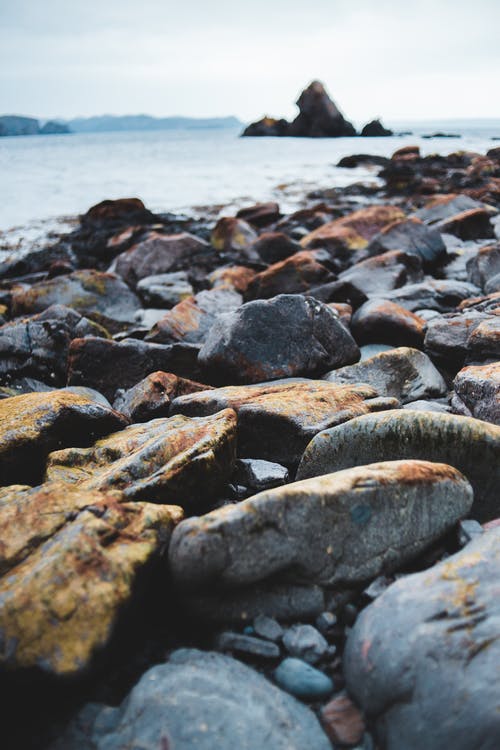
{"points": [[235, 278], [120, 211], [383, 322], [469, 225], [260, 215], [294, 275], [151, 398], [231, 234], [343, 721]]}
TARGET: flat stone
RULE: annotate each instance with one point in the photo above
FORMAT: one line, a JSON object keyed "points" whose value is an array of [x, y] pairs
{"points": [[277, 420], [443, 295], [33, 424], [422, 661], [383, 321], [201, 700], [403, 373], [302, 680], [268, 628], [446, 206], [165, 460], [477, 392], [343, 721], [306, 643], [151, 398], [246, 644], [69, 563], [260, 475], [472, 446], [383, 273]]}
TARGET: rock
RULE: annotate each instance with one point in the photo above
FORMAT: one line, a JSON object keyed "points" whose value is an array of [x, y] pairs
{"points": [[165, 460], [261, 214], [330, 531], [375, 129], [470, 445], [109, 365], [165, 289], [362, 160], [343, 721], [381, 274], [267, 126], [473, 224], [407, 655], [117, 213], [477, 392], [232, 235], [247, 645], [302, 680], [484, 265], [483, 343], [191, 319], [260, 475], [443, 295], [151, 398], [36, 260], [275, 246], [306, 643], [403, 373], [318, 116], [198, 699], [277, 420], [33, 424], [234, 278], [38, 346], [268, 628], [428, 406], [413, 237], [90, 293], [382, 321], [160, 254], [287, 336], [493, 285], [447, 337], [70, 564], [445, 207], [325, 622], [469, 530], [294, 275]]}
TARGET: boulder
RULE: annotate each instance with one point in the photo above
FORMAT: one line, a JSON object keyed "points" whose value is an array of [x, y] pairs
{"points": [[331, 531], [410, 236], [294, 275], [318, 116], [362, 160], [483, 344], [181, 460], [267, 126], [151, 398], [473, 224], [69, 562], [477, 392], [33, 424], [375, 129], [234, 278], [381, 274], [289, 335], [472, 446], [117, 213], [382, 321], [403, 373], [277, 420], [198, 699], [422, 660]]}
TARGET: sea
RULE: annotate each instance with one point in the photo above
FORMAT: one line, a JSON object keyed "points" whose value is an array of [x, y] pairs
{"points": [[45, 181]]}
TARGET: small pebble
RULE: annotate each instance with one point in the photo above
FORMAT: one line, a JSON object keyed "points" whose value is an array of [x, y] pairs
{"points": [[377, 587], [268, 628], [302, 680], [325, 622], [468, 530], [305, 642], [247, 644]]}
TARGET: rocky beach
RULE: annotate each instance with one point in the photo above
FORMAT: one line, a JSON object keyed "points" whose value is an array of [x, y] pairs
{"points": [[250, 470]]}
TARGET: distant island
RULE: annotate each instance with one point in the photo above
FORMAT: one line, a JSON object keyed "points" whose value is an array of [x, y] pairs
{"points": [[17, 125]]}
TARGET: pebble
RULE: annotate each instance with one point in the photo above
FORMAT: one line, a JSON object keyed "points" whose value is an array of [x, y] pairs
{"points": [[305, 642], [343, 721], [377, 587], [247, 644], [302, 680], [268, 628], [468, 530], [325, 622], [259, 474]]}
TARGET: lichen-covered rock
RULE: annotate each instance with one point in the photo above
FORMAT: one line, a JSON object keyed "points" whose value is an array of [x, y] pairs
{"points": [[69, 563], [403, 373], [151, 398], [385, 322], [422, 660], [333, 530], [176, 460], [201, 700], [33, 424], [287, 336], [277, 420], [472, 446], [477, 392]]}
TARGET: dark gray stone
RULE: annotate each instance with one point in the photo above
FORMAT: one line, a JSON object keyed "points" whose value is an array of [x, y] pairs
{"points": [[247, 644], [477, 392], [442, 295], [268, 627], [165, 289], [306, 643], [258, 474], [412, 237], [383, 273]]}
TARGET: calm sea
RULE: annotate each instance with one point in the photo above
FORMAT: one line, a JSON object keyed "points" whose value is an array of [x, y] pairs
{"points": [[46, 177]]}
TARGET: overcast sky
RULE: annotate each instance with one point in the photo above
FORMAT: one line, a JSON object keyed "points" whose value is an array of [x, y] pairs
{"points": [[390, 58]]}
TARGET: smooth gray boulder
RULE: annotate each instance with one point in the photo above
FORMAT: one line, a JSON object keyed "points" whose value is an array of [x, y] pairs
{"points": [[332, 530], [403, 373], [472, 446], [423, 659], [201, 700]]}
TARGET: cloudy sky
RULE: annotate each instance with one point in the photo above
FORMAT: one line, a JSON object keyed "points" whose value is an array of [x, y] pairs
{"points": [[428, 59]]}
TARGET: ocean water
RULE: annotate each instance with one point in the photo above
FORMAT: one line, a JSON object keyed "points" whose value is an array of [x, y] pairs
{"points": [[48, 177]]}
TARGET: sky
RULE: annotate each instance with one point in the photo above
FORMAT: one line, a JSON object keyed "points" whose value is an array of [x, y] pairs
{"points": [[400, 60]]}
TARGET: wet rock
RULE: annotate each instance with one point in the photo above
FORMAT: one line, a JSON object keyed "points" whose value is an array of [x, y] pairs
{"points": [[181, 460], [403, 373], [198, 699], [162, 253], [232, 235], [247, 645], [88, 292], [484, 265], [277, 420], [165, 289], [303, 680], [445, 207], [260, 475], [483, 343], [408, 653], [268, 628], [362, 160], [38, 346], [306, 643], [443, 295], [437, 406], [117, 213], [37, 259], [380, 320], [109, 365], [472, 446], [447, 337], [191, 319], [333, 530], [151, 398], [261, 214], [287, 336], [318, 116], [297, 274], [343, 721], [267, 126], [375, 129], [473, 224], [33, 424], [413, 237], [275, 246], [70, 565], [477, 392], [383, 273]]}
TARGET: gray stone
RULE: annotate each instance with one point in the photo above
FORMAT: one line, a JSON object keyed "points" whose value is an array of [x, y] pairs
{"points": [[484, 265], [325, 622], [303, 680], [447, 337], [403, 373], [477, 392], [443, 295], [268, 627], [369, 350], [201, 700], [468, 531], [165, 289], [445, 207], [422, 660], [383, 273], [428, 406], [412, 237], [247, 644], [258, 474], [472, 446], [306, 643]]}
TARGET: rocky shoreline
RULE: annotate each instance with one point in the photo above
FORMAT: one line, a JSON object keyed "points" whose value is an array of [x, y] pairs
{"points": [[250, 471]]}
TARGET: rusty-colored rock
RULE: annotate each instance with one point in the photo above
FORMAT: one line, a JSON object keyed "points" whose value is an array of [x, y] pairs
{"points": [[151, 398], [477, 392], [343, 721], [296, 274], [383, 322]]}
